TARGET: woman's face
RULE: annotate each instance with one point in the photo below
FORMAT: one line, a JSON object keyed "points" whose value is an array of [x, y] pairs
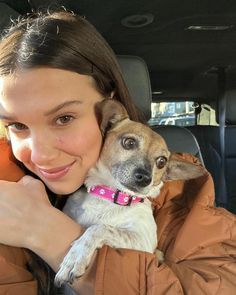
{"points": [[49, 114]]}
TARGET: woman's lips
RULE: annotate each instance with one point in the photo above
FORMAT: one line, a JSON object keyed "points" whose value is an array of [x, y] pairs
{"points": [[55, 173]]}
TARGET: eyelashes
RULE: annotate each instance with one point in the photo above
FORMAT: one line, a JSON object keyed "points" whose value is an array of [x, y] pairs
{"points": [[16, 126], [64, 120], [59, 121]]}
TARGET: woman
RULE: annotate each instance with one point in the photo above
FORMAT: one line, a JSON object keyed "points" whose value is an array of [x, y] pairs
{"points": [[53, 70]]}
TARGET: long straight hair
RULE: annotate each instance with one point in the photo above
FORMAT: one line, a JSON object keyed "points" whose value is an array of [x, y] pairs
{"points": [[62, 40], [65, 41]]}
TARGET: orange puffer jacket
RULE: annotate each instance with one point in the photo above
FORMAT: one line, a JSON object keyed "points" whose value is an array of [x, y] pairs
{"points": [[199, 242]]}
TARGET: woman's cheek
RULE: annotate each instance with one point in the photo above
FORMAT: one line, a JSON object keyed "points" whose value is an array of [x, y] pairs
{"points": [[74, 145], [61, 140], [66, 142], [21, 151], [80, 142]]}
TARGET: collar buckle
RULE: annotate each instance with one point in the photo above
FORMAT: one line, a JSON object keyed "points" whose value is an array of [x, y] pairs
{"points": [[130, 198]]}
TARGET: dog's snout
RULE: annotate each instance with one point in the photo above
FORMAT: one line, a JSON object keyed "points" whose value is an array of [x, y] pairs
{"points": [[142, 177]]}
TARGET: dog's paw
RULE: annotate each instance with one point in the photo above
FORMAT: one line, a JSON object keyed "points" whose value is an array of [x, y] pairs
{"points": [[73, 266]]}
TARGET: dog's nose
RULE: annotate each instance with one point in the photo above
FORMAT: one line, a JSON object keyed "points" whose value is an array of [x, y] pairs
{"points": [[142, 177]]}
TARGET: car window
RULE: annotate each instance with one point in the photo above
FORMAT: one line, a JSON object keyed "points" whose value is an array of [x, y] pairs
{"points": [[181, 113]]}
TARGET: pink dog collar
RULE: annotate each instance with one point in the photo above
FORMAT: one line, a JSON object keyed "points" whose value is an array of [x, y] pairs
{"points": [[116, 196]]}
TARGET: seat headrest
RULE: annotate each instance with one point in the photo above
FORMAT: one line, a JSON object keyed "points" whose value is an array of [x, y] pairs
{"points": [[180, 140], [136, 75]]}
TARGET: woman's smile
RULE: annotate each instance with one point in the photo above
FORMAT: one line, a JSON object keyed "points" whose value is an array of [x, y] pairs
{"points": [[55, 173]]}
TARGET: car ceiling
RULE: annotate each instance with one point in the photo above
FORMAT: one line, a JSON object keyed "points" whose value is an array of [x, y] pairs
{"points": [[181, 62]]}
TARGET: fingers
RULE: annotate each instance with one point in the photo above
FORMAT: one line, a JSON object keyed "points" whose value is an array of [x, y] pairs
{"points": [[27, 180], [34, 185]]}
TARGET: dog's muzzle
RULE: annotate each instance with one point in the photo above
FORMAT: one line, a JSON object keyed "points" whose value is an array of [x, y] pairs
{"points": [[142, 177], [133, 175]]}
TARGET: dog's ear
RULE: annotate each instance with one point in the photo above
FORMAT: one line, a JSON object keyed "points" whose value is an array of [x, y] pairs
{"points": [[108, 113], [179, 169]]}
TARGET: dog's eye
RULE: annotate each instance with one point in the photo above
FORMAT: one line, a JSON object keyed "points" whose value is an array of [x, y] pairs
{"points": [[161, 162], [129, 143]]}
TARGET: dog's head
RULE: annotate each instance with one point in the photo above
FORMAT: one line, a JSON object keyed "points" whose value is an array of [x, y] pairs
{"points": [[134, 158]]}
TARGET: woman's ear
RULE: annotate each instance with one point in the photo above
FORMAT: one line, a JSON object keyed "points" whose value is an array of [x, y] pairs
{"points": [[108, 113], [178, 169]]}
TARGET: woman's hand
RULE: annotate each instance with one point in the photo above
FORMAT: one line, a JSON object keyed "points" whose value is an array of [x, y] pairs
{"points": [[20, 204], [27, 219]]}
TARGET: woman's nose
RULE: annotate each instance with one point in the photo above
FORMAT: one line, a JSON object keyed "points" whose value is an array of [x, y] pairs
{"points": [[42, 150]]}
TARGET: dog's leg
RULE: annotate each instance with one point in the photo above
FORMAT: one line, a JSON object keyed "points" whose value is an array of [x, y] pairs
{"points": [[81, 252]]}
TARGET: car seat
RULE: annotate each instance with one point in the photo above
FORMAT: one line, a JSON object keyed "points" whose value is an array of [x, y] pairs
{"points": [[136, 75]]}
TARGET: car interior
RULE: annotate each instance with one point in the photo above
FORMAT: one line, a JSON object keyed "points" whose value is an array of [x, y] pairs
{"points": [[179, 61]]}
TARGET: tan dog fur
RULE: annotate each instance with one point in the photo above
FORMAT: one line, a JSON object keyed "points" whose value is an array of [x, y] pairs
{"points": [[106, 223]]}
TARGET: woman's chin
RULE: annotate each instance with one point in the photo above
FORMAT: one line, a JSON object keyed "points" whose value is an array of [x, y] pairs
{"points": [[63, 189]]}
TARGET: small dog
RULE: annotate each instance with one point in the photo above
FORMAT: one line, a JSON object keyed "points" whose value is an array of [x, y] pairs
{"points": [[115, 209]]}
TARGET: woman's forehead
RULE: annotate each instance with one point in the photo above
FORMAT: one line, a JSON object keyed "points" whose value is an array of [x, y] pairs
{"points": [[44, 90], [46, 83]]}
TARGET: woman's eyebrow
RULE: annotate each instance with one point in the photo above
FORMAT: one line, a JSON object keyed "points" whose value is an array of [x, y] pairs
{"points": [[50, 112], [61, 106], [6, 117]]}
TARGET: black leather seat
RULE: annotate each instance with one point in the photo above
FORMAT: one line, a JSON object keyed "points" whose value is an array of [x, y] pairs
{"points": [[136, 75], [209, 141], [230, 148]]}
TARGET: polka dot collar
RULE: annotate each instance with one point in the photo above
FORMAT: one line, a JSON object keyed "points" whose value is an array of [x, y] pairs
{"points": [[115, 196]]}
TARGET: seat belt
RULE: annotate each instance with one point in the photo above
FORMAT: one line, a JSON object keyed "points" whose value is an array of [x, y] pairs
{"points": [[222, 199]]}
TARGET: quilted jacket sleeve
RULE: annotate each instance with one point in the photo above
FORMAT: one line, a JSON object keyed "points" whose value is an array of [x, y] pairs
{"points": [[14, 276], [199, 242]]}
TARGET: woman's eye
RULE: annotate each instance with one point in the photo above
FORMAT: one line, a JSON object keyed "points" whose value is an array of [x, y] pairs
{"points": [[63, 120], [16, 127], [129, 143], [161, 162]]}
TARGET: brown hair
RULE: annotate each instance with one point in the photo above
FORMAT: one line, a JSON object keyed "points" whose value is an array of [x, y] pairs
{"points": [[66, 41]]}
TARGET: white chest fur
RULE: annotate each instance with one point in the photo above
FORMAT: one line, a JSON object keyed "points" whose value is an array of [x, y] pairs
{"points": [[89, 210]]}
